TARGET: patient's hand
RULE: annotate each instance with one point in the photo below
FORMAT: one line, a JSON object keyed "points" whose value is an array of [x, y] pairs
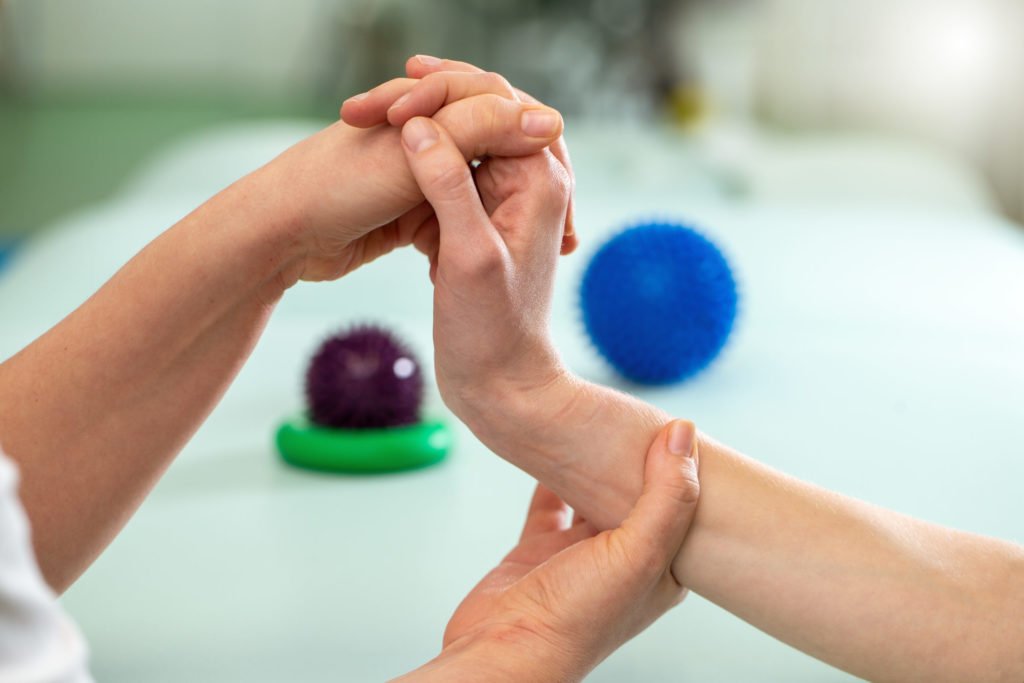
{"points": [[567, 596], [493, 264], [493, 255]]}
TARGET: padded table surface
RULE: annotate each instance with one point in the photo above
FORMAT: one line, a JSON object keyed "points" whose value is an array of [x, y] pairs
{"points": [[879, 352]]}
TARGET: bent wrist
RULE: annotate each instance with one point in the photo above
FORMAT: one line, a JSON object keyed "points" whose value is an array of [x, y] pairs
{"points": [[525, 402], [266, 229]]}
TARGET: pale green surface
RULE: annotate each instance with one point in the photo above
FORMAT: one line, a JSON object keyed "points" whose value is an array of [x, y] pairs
{"points": [[58, 153]]}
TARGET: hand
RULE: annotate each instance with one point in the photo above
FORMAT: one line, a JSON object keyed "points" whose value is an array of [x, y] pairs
{"points": [[434, 83], [493, 263], [567, 596], [346, 196]]}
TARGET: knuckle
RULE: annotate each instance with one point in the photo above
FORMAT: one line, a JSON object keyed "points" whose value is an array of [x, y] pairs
{"points": [[486, 119], [500, 83], [451, 179], [563, 185], [560, 186], [690, 493], [643, 557], [684, 488], [486, 110], [433, 81], [477, 123], [493, 107], [651, 561], [485, 261]]}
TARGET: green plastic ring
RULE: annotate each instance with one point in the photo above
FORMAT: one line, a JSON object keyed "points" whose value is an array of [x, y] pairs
{"points": [[304, 444]]}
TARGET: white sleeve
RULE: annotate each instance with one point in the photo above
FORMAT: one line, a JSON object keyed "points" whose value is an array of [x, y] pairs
{"points": [[38, 642]]}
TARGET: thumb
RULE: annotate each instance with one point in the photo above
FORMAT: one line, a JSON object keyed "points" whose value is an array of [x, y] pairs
{"points": [[656, 528], [444, 177]]}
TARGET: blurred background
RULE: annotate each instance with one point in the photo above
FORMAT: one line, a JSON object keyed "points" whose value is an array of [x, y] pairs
{"points": [[861, 164], [90, 88]]}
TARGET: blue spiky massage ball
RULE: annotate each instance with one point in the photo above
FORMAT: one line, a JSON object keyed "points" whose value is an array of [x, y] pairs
{"points": [[364, 378], [659, 302]]}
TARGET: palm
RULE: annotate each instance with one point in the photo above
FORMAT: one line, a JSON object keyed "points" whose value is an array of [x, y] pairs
{"points": [[381, 211], [511, 592], [331, 263]]}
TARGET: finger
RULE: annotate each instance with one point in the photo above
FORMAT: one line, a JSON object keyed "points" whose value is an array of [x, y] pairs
{"points": [[369, 109], [547, 512], [561, 152], [655, 530], [578, 532], [444, 177], [569, 242], [569, 239], [420, 66], [492, 125], [412, 221], [532, 196], [427, 238], [423, 66], [400, 99], [488, 187], [556, 540], [436, 90], [398, 233]]}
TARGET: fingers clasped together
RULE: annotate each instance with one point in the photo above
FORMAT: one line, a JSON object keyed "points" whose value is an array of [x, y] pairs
{"points": [[505, 122]]}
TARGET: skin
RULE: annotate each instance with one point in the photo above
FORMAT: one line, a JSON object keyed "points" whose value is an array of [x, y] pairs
{"points": [[127, 377], [95, 410], [570, 595], [879, 594]]}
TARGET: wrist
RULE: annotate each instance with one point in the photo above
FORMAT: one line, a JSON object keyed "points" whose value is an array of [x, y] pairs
{"points": [[526, 394], [266, 229]]}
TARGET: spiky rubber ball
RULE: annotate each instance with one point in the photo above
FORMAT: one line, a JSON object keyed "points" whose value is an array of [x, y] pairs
{"points": [[364, 378], [659, 302]]}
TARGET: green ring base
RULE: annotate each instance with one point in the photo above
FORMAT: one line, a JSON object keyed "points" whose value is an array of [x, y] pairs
{"points": [[362, 451]]}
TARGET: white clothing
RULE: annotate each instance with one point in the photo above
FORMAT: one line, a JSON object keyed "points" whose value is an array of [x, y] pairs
{"points": [[38, 642]]}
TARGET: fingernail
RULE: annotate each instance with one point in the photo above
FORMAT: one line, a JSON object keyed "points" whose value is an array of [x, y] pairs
{"points": [[419, 135], [357, 98], [427, 59], [680, 438], [399, 102], [540, 123]]}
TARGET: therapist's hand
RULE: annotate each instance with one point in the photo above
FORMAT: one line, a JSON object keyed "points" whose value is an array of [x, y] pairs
{"points": [[567, 596]]}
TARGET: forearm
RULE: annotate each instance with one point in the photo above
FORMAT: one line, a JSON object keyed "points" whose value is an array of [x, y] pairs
{"points": [[95, 409], [868, 590]]}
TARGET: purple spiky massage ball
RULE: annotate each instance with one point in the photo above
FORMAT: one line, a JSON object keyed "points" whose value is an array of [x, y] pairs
{"points": [[364, 378]]}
